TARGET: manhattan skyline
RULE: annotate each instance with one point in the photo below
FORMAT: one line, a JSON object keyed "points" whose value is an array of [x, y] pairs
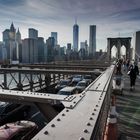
{"points": [[112, 18]]}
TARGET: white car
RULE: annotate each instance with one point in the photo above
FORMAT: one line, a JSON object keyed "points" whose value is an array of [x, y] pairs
{"points": [[77, 78], [63, 83], [68, 91], [81, 85]]}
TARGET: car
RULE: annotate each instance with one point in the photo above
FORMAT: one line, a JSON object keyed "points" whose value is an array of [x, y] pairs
{"points": [[97, 72], [82, 85], [68, 91], [63, 83], [73, 83], [88, 78], [12, 112], [20, 130], [77, 78]]}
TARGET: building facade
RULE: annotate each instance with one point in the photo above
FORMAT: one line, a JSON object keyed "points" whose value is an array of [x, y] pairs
{"points": [[50, 44], [75, 37], [9, 39], [40, 46], [19, 46], [136, 49], [33, 33], [92, 41], [54, 34], [29, 51]]}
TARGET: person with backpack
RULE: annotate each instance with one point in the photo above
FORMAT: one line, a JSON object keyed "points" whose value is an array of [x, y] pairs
{"points": [[134, 71]]}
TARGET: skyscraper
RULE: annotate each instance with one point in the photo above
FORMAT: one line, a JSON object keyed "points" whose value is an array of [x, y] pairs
{"points": [[50, 48], [12, 41], [69, 46], [92, 40], [40, 45], [136, 51], [13, 51], [6, 40], [33, 33], [75, 37], [1, 50], [54, 34], [30, 51], [68, 51], [19, 46]]}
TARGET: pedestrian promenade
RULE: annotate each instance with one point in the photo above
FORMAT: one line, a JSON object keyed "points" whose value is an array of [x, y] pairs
{"points": [[128, 108]]}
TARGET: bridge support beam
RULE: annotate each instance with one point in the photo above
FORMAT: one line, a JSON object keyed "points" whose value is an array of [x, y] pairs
{"points": [[59, 77], [47, 110], [40, 81], [47, 80], [53, 78], [5, 81], [31, 82], [19, 85]]}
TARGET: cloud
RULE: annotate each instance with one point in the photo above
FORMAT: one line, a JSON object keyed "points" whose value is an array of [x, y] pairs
{"points": [[110, 16], [12, 2]]}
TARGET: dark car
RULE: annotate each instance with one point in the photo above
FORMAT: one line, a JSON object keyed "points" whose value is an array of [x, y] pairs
{"points": [[63, 83], [10, 112], [88, 78]]}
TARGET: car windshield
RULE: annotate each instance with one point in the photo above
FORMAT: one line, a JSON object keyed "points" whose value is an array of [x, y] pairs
{"points": [[81, 84], [87, 77], [77, 76], [63, 82]]}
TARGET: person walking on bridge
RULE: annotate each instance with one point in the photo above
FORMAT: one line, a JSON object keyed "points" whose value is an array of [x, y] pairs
{"points": [[118, 67], [134, 71], [127, 64]]}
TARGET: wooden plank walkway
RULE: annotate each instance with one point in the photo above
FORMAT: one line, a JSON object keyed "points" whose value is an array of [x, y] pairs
{"points": [[128, 108]]}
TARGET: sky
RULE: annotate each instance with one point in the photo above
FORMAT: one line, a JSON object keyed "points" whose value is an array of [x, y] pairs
{"points": [[113, 18]]}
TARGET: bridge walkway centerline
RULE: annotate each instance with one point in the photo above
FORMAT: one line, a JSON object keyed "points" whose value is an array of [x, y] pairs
{"points": [[128, 108]]}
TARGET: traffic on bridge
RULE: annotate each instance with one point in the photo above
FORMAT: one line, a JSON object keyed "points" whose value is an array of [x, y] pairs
{"points": [[69, 104]]}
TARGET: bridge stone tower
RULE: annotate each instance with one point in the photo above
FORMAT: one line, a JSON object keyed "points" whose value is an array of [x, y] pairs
{"points": [[119, 42]]}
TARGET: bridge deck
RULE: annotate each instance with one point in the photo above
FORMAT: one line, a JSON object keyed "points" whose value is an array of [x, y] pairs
{"points": [[128, 108]]}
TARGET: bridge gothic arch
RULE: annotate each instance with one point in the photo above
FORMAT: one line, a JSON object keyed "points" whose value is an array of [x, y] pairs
{"points": [[119, 42]]}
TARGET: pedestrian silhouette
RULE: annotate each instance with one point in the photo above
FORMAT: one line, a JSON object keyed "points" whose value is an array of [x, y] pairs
{"points": [[134, 71]]}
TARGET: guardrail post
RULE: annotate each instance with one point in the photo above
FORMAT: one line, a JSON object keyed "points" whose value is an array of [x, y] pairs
{"points": [[5, 81], [31, 82], [63, 76], [40, 81], [111, 128], [59, 77], [19, 85], [47, 80]]}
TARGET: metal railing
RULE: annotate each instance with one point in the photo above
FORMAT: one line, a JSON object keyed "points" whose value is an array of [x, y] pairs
{"points": [[88, 117], [84, 116], [31, 78]]}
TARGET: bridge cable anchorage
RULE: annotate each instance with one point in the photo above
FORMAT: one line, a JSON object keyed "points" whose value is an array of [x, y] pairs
{"points": [[111, 126]]}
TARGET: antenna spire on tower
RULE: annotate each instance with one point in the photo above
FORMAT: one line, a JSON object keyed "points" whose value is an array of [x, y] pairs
{"points": [[75, 20], [119, 34]]}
